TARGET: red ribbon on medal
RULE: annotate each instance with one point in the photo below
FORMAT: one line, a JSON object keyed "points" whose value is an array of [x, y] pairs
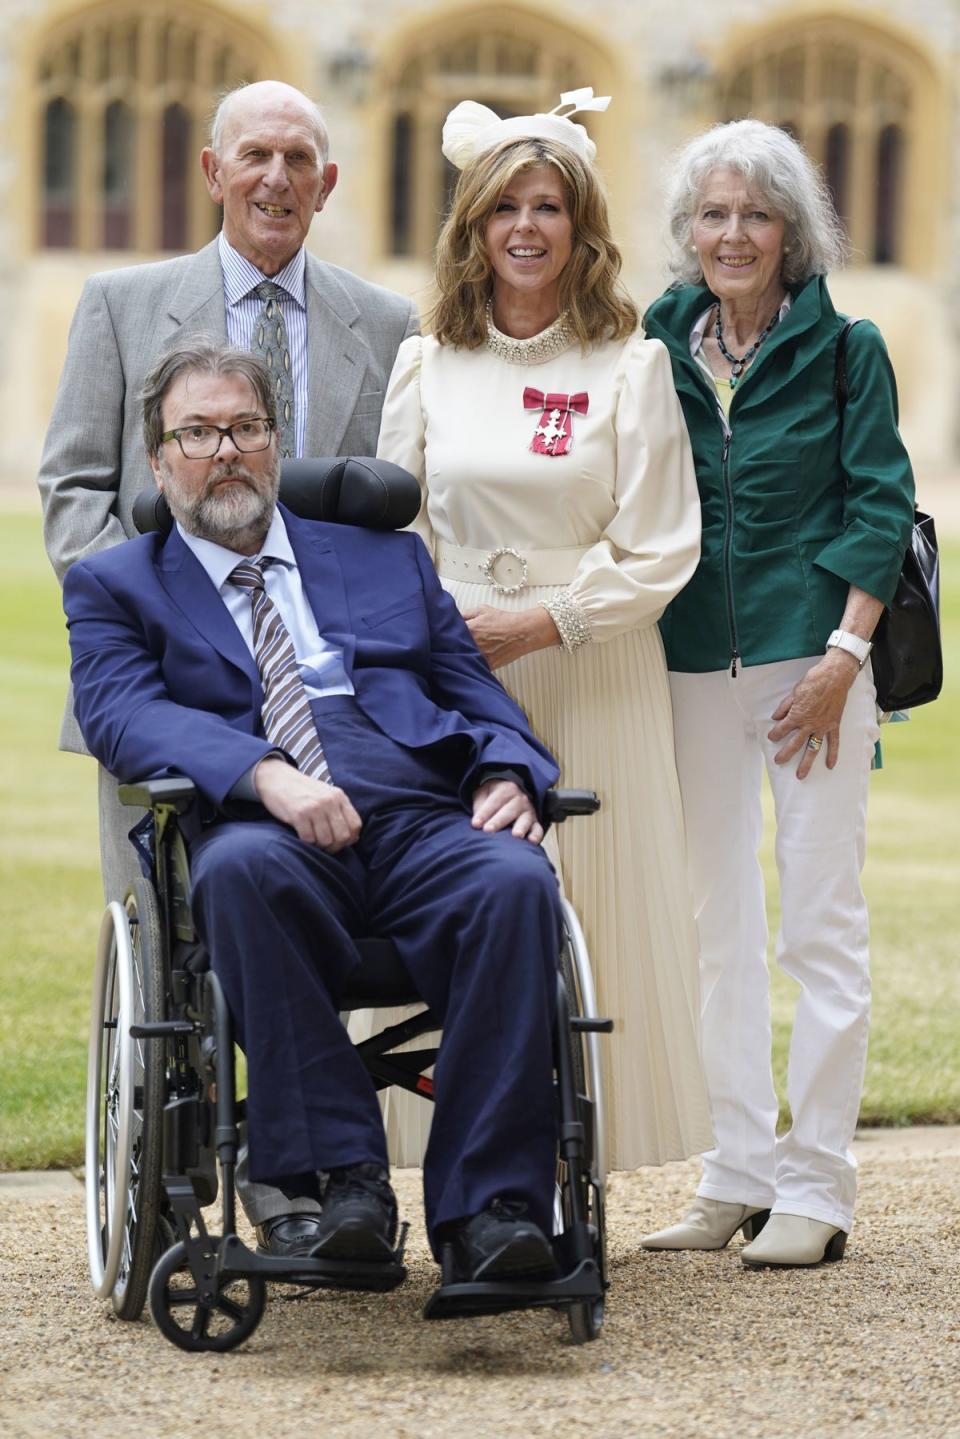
{"points": [[554, 434]]}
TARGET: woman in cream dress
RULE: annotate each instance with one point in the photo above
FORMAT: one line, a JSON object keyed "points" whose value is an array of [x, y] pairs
{"points": [[561, 510]]}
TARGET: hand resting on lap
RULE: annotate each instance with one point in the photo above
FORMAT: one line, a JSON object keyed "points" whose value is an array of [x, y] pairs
{"points": [[320, 813]]}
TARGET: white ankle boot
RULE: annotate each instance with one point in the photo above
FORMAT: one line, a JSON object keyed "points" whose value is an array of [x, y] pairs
{"points": [[711, 1224], [792, 1239]]}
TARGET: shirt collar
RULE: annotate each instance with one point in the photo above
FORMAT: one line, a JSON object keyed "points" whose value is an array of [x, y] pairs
{"points": [[240, 276], [219, 562], [700, 327]]}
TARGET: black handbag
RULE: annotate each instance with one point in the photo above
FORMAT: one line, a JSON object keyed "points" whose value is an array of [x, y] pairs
{"points": [[907, 655]]}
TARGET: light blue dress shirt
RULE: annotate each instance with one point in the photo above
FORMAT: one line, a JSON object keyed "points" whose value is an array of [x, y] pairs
{"points": [[320, 663]]}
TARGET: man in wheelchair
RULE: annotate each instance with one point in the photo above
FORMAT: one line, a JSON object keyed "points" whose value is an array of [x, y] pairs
{"points": [[360, 771]]}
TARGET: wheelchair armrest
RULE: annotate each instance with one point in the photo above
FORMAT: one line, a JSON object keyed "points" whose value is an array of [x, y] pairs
{"points": [[177, 791], [561, 804]]}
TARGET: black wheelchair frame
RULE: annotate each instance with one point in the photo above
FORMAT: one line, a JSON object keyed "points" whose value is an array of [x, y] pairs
{"points": [[162, 1120]]}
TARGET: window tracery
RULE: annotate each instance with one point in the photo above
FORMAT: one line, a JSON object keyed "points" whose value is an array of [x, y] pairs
{"points": [[490, 58], [852, 103], [124, 95]]}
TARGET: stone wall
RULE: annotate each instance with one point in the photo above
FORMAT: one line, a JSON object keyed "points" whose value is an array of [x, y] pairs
{"points": [[339, 51]]}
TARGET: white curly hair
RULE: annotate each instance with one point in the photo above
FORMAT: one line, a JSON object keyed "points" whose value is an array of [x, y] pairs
{"points": [[783, 177]]}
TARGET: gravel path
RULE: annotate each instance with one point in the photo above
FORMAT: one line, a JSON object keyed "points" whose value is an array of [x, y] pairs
{"points": [[693, 1344]]}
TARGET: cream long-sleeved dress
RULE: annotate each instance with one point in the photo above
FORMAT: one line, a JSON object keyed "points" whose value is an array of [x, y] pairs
{"points": [[622, 509]]}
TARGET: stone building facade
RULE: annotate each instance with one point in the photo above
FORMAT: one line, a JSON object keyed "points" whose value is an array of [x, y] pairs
{"points": [[105, 105]]}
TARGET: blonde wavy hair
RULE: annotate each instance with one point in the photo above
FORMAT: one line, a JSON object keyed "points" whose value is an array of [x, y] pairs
{"points": [[597, 305]]}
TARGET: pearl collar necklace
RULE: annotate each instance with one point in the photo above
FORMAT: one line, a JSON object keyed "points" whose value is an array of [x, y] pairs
{"points": [[533, 351]]}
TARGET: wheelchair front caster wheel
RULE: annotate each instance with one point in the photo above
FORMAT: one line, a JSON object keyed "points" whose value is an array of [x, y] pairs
{"points": [[585, 1320], [193, 1323]]}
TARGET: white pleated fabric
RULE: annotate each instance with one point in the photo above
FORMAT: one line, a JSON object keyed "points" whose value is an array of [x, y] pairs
{"points": [[604, 709]]}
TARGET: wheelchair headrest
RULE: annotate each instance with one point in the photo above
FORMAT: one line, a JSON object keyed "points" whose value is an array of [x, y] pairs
{"points": [[352, 490]]}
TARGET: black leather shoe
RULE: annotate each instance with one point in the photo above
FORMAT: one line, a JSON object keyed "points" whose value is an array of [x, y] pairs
{"points": [[359, 1215], [501, 1243], [288, 1234]]}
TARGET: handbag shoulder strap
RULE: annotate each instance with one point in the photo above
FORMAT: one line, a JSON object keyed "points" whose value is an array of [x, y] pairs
{"points": [[840, 387]]}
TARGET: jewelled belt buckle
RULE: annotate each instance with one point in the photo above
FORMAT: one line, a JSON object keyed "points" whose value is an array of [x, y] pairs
{"points": [[487, 569]]}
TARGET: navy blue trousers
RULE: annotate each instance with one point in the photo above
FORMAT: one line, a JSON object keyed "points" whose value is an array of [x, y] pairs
{"points": [[476, 920]]}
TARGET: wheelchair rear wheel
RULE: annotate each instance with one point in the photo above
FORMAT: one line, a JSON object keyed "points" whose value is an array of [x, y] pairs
{"points": [[125, 1084], [584, 1317], [582, 999]]}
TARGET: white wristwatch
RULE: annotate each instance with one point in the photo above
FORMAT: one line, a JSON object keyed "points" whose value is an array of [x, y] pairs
{"points": [[853, 644]]}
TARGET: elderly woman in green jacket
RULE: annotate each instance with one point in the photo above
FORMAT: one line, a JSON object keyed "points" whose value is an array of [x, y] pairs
{"points": [[806, 514]]}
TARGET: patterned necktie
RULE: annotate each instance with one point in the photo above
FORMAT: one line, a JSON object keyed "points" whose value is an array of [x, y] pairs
{"points": [[269, 341], [287, 716]]}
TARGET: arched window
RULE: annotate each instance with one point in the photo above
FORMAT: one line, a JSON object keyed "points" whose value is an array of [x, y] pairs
{"points": [[853, 96], [118, 133], [504, 59], [175, 172], [836, 163], [401, 185], [59, 173], [889, 172], [125, 91]]}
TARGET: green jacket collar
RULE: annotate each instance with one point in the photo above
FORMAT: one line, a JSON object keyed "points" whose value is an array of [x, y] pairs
{"points": [[809, 328]]}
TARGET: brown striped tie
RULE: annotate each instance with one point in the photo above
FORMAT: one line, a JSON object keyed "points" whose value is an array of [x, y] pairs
{"points": [[287, 716]]}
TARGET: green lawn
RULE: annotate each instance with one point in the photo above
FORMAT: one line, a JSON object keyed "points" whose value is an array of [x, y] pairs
{"points": [[51, 898], [49, 865]]}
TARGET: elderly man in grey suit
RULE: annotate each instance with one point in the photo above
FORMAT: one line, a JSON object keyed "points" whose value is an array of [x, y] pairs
{"points": [[267, 165], [329, 338]]}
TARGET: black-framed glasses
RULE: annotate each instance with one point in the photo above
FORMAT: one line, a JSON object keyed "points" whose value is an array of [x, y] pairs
{"points": [[202, 442]]}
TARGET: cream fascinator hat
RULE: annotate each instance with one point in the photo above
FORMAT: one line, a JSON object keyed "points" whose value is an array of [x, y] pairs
{"points": [[471, 128]]}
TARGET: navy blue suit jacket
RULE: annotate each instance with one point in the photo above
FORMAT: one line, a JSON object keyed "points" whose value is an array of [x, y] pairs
{"points": [[164, 682]]}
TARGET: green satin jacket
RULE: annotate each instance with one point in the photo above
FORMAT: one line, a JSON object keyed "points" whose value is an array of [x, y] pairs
{"points": [[792, 514]]}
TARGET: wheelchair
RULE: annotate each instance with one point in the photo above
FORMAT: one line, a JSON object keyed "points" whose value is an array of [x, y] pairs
{"points": [[162, 1113]]}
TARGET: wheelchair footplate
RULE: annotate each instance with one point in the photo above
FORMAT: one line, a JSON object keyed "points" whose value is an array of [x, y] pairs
{"points": [[471, 1299], [371, 1276]]}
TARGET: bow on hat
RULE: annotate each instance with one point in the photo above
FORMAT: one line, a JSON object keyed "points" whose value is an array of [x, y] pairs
{"points": [[471, 128]]}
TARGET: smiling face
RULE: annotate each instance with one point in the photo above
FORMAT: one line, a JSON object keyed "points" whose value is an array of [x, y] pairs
{"points": [[230, 497], [739, 241], [268, 174], [529, 238]]}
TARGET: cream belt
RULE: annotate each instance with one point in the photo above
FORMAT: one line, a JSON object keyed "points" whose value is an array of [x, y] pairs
{"points": [[507, 569]]}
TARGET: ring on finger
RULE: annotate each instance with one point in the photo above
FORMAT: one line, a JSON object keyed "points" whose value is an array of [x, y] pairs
{"points": [[814, 742]]}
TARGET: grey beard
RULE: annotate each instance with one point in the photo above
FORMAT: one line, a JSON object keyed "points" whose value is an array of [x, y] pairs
{"points": [[234, 519], [231, 520]]}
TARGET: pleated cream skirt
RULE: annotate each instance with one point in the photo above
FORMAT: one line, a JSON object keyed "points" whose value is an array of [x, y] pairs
{"points": [[604, 711]]}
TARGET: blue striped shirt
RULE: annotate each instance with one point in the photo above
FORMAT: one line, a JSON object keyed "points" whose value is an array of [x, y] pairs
{"points": [[240, 279]]}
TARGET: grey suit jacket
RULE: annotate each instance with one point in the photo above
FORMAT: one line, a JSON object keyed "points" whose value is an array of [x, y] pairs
{"points": [[94, 463]]}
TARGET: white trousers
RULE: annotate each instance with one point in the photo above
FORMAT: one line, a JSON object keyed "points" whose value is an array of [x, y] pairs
{"points": [[721, 726]]}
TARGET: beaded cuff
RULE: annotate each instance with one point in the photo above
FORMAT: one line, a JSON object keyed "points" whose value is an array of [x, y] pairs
{"points": [[570, 619]]}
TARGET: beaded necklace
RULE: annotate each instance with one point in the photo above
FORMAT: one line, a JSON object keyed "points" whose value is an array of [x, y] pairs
{"points": [[533, 351], [740, 365]]}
